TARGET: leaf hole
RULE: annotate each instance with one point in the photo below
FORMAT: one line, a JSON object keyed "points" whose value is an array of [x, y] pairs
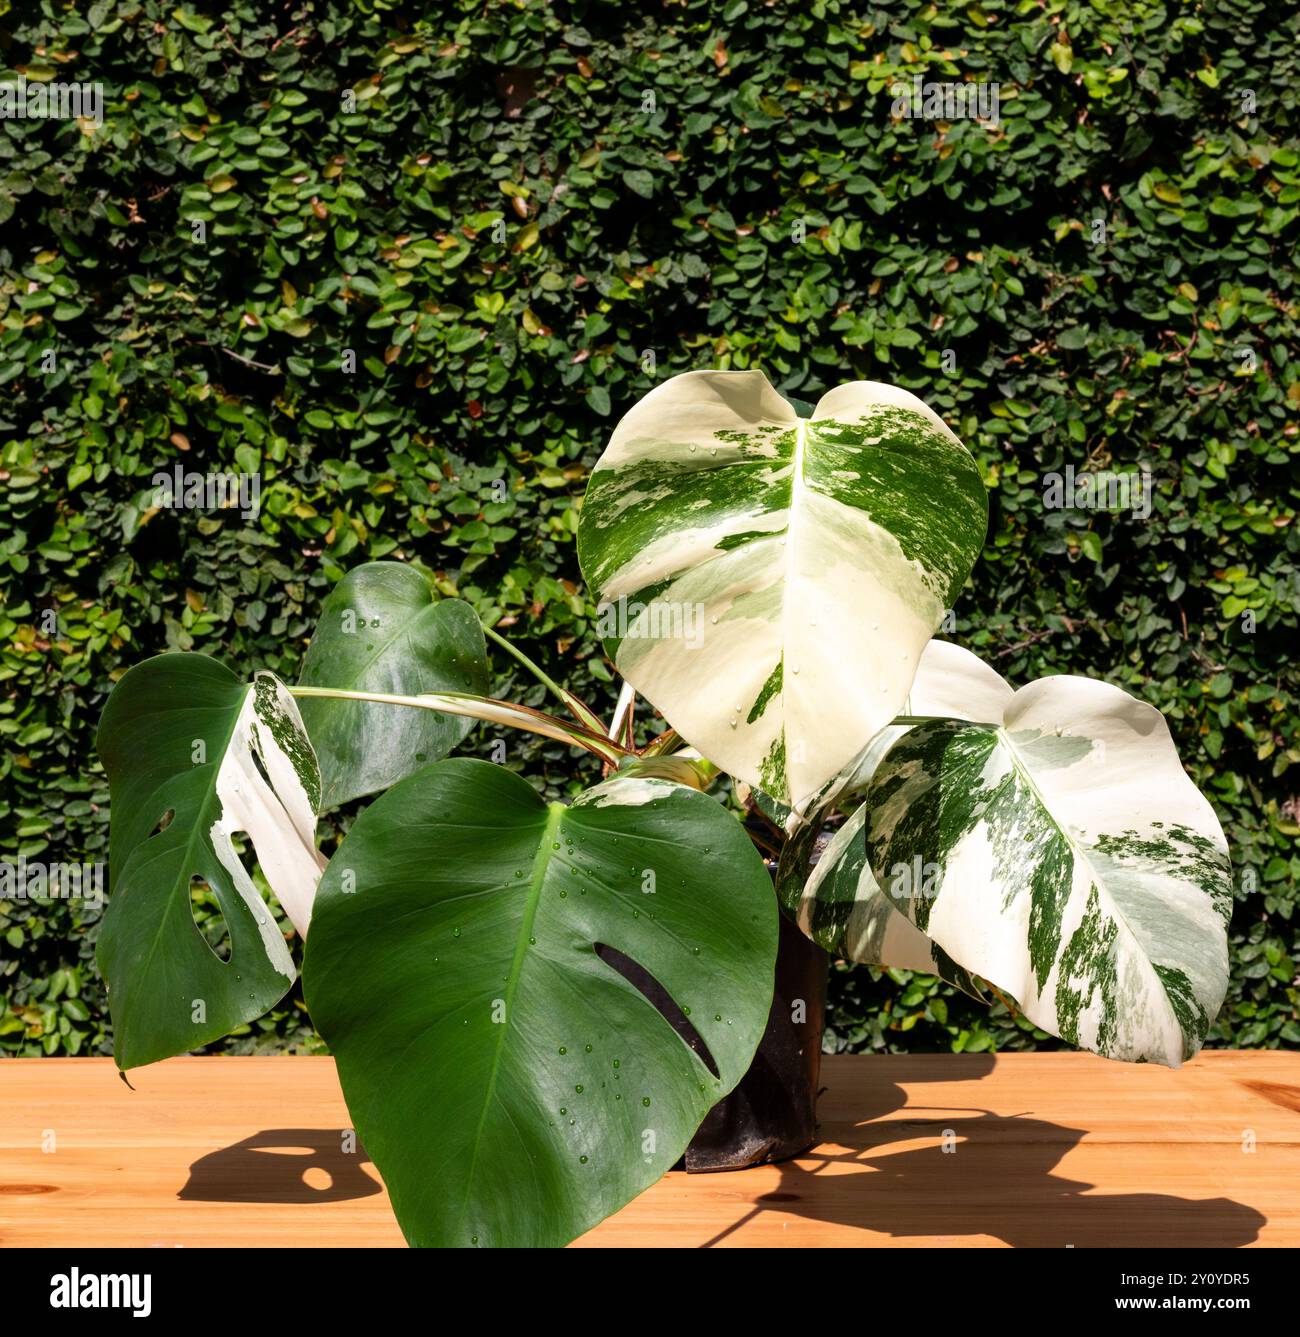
{"points": [[663, 1002], [318, 1177], [242, 848], [205, 910], [163, 822], [256, 753]]}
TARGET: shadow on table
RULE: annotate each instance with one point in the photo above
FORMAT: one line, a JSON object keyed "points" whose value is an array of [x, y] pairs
{"points": [[996, 1180], [282, 1165]]}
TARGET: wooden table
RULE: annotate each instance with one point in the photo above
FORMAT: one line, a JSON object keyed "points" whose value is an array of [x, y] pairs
{"points": [[1022, 1149]]}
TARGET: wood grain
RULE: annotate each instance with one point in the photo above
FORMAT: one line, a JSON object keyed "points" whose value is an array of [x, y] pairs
{"points": [[1023, 1149]]}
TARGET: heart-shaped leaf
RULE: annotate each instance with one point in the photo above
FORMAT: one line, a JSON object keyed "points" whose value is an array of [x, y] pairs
{"points": [[383, 629], [836, 899], [1064, 855], [756, 569], [510, 1083], [186, 743]]}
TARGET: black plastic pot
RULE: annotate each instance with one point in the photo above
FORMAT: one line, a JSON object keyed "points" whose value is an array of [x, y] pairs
{"points": [[772, 1114]]}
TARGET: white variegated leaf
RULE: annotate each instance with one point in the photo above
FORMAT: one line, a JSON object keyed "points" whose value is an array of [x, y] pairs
{"points": [[839, 906], [194, 755], [756, 568], [279, 817], [954, 684], [950, 683], [1064, 856], [837, 901]]}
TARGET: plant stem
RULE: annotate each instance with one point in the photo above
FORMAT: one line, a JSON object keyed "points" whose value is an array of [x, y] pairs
{"points": [[484, 708], [1003, 1000], [680, 770], [623, 712], [536, 670], [769, 850], [661, 743], [580, 711]]}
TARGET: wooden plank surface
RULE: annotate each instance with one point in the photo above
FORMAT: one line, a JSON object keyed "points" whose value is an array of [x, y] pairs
{"points": [[1023, 1149]]}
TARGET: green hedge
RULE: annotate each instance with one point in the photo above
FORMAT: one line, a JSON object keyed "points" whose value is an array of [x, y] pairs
{"points": [[520, 217]]}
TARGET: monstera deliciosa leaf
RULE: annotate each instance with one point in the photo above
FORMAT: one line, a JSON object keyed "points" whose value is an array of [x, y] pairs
{"points": [[383, 629], [511, 1084], [1063, 854], [756, 569], [194, 755], [836, 899]]}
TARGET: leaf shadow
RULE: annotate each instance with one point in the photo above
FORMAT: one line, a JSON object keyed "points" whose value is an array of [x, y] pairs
{"points": [[955, 1172], [295, 1165]]}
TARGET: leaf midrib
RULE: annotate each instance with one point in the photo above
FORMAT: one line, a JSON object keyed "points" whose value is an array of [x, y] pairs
{"points": [[541, 862], [1078, 851]]}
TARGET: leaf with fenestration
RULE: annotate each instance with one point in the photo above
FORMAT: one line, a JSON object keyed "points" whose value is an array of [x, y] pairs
{"points": [[511, 1084], [1063, 855], [193, 756], [756, 568], [383, 629]]}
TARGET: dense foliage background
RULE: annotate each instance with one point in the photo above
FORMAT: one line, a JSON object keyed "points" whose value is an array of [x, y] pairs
{"points": [[522, 216]]}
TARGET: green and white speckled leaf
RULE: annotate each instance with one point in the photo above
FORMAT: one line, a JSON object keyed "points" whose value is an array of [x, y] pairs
{"points": [[841, 908], [756, 569], [951, 683], [183, 738], [837, 901], [1064, 856]]}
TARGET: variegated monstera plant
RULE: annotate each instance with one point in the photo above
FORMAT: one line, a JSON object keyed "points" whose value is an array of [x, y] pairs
{"points": [[770, 583]]}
